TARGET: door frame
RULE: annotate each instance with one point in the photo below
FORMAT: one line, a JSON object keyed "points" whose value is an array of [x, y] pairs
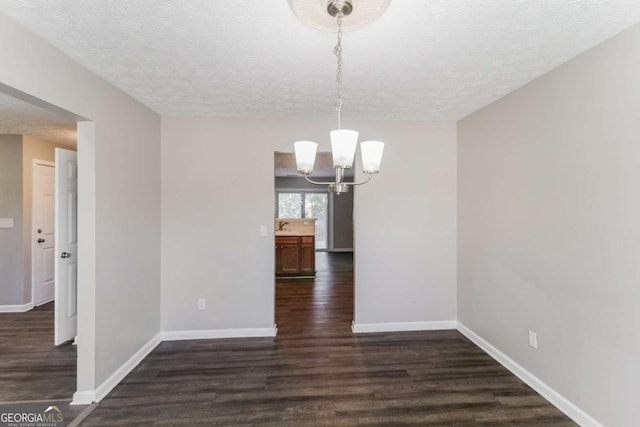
{"points": [[34, 163]]}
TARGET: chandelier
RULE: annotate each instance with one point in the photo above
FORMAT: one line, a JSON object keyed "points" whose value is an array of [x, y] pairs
{"points": [[343, 141]]}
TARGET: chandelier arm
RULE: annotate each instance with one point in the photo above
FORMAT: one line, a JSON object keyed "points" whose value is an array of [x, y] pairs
{"points": [[359, 183], [306, 176], [353, 184]]}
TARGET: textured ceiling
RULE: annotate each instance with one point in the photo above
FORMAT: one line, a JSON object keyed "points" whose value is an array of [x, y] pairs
{"points": [[19, 117], [421, 60]]}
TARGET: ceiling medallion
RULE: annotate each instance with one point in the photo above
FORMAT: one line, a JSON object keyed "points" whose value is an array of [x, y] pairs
{"points": [[357, 14]]}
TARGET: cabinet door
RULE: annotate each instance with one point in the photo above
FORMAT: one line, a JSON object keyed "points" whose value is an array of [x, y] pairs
{"points": [[308, 255], [289, 258]]}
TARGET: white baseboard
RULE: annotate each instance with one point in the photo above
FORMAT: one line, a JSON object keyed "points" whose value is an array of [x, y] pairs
{"points": [[44, 302], [17, 308], [363, 328], [555, 398], [340, 250], [88, 397], [204, 334], [103, 389], [83, 398], [559, 401]]}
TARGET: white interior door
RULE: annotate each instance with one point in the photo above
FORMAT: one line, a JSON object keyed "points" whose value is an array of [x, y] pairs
{"points": [[66, 250], [43, 235]]}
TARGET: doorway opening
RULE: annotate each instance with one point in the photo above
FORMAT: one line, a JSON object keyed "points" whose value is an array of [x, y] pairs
{"points": [[320, 303], [30, 132], [43, 232]]}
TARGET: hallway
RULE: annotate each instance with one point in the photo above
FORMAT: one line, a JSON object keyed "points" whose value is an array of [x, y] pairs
{"points": [[320, 306]]}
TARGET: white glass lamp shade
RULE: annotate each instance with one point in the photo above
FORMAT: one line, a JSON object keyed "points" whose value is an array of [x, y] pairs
{"points": [[371, 156], [305, 155], [343, 147]]}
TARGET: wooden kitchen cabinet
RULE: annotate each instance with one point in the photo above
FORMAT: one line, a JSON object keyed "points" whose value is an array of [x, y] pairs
{"points": [[308, 254], [287, 255], [295, 256]]}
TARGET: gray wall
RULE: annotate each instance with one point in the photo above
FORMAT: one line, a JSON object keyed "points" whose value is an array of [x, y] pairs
{"points": [[549, 228], [342, 207], [11, 258], [405, 228], [211, 217]]}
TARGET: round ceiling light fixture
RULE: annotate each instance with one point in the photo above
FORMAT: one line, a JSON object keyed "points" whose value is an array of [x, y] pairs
{"points": [[320, 14]]}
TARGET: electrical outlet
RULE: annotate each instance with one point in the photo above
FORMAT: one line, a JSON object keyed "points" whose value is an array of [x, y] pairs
{"points": [[202, 303], [533, 339]]}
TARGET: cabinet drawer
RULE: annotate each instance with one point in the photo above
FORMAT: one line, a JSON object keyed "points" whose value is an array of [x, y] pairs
{"points": [[286, 240], [306, 239]]}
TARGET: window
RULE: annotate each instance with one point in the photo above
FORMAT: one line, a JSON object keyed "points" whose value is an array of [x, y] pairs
{"points": [[290, 205], [307, 204]]}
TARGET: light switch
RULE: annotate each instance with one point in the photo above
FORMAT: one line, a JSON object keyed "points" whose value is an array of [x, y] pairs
{"points": [[533, 339], [263, 231], [6, 222]]}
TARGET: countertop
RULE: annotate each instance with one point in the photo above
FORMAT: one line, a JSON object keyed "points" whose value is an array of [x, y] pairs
{"points": [[293, 233]]}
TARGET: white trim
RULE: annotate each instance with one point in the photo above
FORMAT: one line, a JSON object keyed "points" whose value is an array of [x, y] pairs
{"points": [[205, 334], [103, 389], [555, 398], [83, 398], [86, 298], [16, 308], [45, 302], [363, 328]]}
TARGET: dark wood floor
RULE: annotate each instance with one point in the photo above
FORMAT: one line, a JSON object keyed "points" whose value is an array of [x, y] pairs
{"points": [[32, 369], [316, 372], [322, 306]]}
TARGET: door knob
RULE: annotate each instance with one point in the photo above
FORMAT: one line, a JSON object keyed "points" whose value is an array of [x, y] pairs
{"points": [[41, 240], [39, 230], [65, 255]]}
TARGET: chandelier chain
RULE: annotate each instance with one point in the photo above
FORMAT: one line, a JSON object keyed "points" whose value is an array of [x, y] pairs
{"points": [[338, 52]]}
